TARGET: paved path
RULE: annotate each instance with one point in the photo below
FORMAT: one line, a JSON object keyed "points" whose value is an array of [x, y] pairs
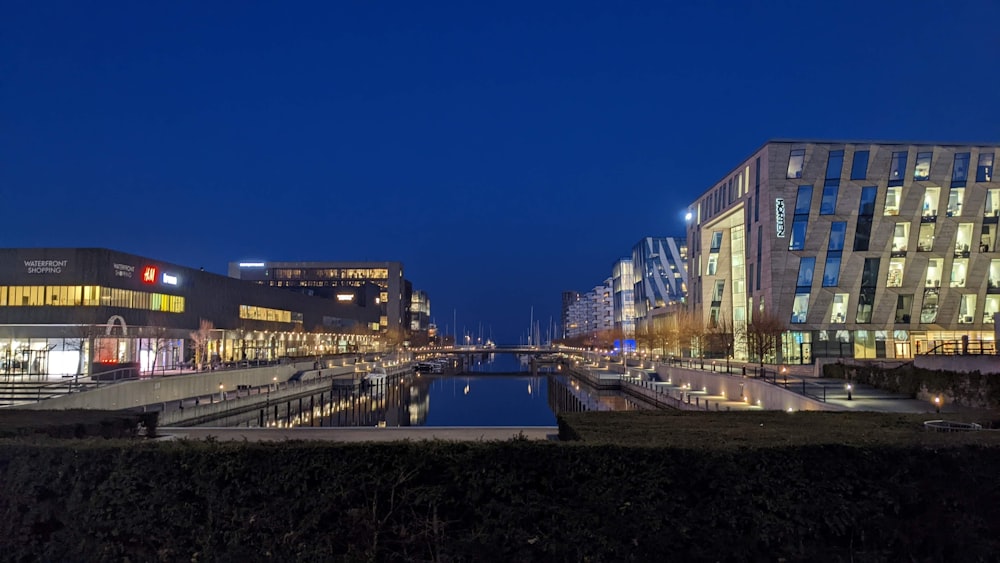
{"points": [[462, 434]]}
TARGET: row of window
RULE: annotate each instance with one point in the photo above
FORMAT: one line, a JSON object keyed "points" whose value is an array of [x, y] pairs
{"points": [[265, 314], [331, 273], [839, 312], [893, 200], [897, 166], [88, 296]]}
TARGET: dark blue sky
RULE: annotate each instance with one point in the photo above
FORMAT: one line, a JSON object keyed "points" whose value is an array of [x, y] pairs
{"points": [[503, 153]]}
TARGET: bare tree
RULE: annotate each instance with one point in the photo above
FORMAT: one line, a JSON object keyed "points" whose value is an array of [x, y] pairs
{"points": [[201, 338], [691, 331], [720, 336], [763, 334]]}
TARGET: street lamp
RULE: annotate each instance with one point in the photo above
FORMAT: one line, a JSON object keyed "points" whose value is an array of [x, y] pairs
{"points": [[222, 393], [937, 404], [849, 389]]}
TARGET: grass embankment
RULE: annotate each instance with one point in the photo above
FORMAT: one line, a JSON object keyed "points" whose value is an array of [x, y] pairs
{"points": [[639, 486]]}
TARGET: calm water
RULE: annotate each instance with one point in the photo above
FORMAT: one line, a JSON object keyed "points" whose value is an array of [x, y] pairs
{"points": [[497, 393]]}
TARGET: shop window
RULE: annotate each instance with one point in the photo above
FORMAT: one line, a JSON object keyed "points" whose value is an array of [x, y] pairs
{"points": [[859, 167], [960, 170], [922, 170], [838, 312], [925, 238], [959, 270], [796, 158], [967, 309], [893, 197], [930, 207], [897, 168]]}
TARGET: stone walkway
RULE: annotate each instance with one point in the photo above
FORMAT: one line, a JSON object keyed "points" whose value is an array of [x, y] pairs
{"points": [[462, 434]]}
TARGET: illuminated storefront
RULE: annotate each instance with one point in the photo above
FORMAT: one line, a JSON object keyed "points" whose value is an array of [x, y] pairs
{"points": [[78, 312]]}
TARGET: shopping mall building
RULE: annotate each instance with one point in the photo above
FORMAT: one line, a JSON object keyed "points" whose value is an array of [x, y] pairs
{"points": [[79, 311], [864, 249]]}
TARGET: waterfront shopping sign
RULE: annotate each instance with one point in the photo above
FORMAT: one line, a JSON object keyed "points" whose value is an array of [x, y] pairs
{"points": [[779, 217]]}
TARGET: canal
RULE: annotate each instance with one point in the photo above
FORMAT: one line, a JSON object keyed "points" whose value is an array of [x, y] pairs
{"points": [[489, 392]]}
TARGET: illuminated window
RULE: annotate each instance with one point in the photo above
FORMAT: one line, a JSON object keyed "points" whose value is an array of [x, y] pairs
{"points": [[895, 275], [955, 197], [930, 206], [967, 309], [893, 196], [934, 272], [925, 239], [959, 271], [838, 313], [922, 170], [795, 161]]}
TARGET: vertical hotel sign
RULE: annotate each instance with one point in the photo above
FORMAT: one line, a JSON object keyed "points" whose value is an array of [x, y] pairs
{"points": [[779, 217]]}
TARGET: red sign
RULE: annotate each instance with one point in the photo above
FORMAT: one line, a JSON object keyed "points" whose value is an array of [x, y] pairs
{"points": [[149, 274]]}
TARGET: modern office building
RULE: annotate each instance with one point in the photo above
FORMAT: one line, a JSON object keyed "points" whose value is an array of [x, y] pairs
{"points": [[865, 249], [343, 281], [420, 311], [660, 274], [80, 311], [623, 296]]}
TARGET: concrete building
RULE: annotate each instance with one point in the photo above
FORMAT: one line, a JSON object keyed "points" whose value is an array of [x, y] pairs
{"points": [[343, 281], [865, 249]]}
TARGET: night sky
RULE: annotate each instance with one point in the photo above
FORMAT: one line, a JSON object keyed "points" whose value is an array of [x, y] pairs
{"points": [[504, 153]]}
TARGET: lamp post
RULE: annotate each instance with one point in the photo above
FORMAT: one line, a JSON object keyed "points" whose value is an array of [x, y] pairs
{"points": [[222, 393], [937, 404], [849, 389]]}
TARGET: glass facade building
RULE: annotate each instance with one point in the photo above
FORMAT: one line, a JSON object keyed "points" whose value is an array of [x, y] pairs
{"points": [[660, 276]]}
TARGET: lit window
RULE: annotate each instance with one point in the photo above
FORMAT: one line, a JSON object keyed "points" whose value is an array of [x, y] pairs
{"points": [[922, 170], [930, 206], [895, 275], [838, 313], [967, 309], [959, 270], [795, 160], [892, 200], [955, 197], [800, 308]]}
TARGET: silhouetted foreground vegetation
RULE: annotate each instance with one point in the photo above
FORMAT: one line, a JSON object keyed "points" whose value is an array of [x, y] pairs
{"points": [[75, 423], [98, 500]]}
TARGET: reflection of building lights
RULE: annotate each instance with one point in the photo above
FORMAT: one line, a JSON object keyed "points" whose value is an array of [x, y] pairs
{"points": [[529, 388]]}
